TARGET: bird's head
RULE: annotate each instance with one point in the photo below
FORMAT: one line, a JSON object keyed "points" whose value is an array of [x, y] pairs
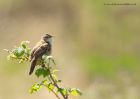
{"points": [[47, 38]]}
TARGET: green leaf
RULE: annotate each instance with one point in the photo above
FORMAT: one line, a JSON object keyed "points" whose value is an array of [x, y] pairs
{"points": [[18, 52], [42, 71], [28, 51], [50, 87], [39, 72], [23, 44], [35, 88], [22, 52], [46, 72], [11, 56], [75, 92], [47, 59], [63, 90], [45, 82]]}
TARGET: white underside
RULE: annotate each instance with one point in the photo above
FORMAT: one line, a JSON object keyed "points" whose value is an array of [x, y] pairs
{"points": [[50, 40]]}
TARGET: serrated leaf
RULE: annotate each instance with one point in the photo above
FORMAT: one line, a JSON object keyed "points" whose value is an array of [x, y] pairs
{"points": [[39, 72], [42, 71], [35, 88], [18, 52], [45, 82], [75, 92], [63, 90], [50, 87], [11, 56], [46, 72]]}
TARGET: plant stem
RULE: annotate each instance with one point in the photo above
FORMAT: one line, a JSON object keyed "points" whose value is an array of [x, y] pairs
{"points": [[56, 94], [55, 83], [57, 86]]}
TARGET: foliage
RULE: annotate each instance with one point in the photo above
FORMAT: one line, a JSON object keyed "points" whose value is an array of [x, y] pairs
{"points": [[51, 81]]}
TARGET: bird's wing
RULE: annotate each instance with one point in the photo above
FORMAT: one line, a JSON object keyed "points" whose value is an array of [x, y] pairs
{"points": [[35, 48], [32, 53], [41, 50]]}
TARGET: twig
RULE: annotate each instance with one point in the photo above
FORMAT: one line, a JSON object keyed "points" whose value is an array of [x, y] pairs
{"points": [[7, 50], [57, 86], [55, 94], [65, 97]]}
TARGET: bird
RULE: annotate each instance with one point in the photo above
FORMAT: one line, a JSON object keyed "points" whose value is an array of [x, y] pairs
{"points": [[43, 47]]}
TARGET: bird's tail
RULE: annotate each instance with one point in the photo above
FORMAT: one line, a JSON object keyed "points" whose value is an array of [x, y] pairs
{"points": [[33, 63]]}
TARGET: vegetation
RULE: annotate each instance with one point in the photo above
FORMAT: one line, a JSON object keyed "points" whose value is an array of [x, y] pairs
{"points": [[51, 81]]}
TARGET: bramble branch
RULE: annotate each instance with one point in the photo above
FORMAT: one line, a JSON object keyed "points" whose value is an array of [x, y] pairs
{"points": [[51, 81]]}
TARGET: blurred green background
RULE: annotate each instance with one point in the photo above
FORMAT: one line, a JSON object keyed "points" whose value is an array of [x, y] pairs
{"points": [[96, 46]]}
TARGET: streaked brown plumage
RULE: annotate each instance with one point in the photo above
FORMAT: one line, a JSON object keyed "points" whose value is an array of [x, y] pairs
{"points": [[41, 48]]}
